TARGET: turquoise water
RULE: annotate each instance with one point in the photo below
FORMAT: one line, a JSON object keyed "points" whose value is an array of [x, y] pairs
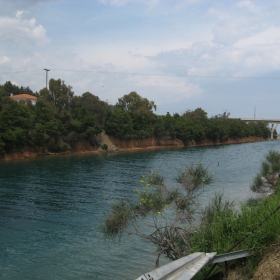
{"points": [[51, 207]]}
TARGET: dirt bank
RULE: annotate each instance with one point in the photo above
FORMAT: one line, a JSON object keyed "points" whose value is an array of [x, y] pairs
{"points": [[110, 144], [156, 142]]}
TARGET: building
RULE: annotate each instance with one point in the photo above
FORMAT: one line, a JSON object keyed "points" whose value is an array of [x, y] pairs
{"points": [[24, 98]]}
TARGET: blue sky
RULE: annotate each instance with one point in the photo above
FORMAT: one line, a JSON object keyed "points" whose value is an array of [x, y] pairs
{"points": [[183, 54]]}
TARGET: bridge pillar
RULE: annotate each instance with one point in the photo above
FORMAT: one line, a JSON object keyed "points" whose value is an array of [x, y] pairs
{"points": [[272, 129]]}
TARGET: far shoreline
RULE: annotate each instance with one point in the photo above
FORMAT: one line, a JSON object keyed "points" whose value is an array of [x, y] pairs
{"points": [[28, 154]]}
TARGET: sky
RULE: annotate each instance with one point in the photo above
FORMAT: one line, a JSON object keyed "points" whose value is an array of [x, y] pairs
{"points": [[182, 54]]}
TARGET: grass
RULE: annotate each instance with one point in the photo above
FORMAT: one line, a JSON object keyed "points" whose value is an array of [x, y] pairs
{"points": [[222, 226]]}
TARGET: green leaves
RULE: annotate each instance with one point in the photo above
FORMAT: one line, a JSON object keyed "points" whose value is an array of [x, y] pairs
{"points": [[133, 102], [119, 124], [39, 135], [266, 180], [15, 123], [132, 117], [166, 211], [117, 220]]}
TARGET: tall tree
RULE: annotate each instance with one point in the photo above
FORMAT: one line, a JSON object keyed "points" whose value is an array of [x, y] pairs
{"points": [[196, 114], [59, 94], [133, 102], [14, 89], [98, 108], [119, 124]]}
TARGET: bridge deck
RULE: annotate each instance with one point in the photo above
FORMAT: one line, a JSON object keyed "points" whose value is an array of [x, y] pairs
{"points": [[261, 120]]}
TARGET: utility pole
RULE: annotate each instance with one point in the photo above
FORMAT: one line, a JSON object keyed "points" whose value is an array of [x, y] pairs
{"points": [[47, 70]]}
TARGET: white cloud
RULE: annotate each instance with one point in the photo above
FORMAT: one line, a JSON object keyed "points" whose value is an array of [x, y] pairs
{"points": [[9, 8], [241, 20], [150, 3], [19, 14], [268, 36], [250, 6], [125, 2], [242, 43], [4, 60], [172, 38], [21, 32]]}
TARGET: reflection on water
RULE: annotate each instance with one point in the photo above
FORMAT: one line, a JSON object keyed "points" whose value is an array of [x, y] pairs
{"points": [[50, 208]]}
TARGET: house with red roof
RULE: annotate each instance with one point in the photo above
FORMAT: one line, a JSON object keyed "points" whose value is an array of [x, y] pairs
{"points": [[24, 98]]}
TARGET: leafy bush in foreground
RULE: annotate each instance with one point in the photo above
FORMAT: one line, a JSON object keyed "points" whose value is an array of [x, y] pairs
{"points": [[161, 214]]}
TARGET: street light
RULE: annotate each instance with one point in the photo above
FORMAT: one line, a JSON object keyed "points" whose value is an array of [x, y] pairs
{"points": [[47, 70]]}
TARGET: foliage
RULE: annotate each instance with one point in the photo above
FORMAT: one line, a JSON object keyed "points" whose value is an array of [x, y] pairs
{"points": [[9, 88], [224, 115], [60, 116], [133, 102], [132, 117], [218, 129], [99, 109], [14, 125], [60, 146], [222, 226], [60, 94], [119, 123], [257, 221], [164, 215], [40, 137], [196, 114], [55, 122], [266, 180], [166, 212]]}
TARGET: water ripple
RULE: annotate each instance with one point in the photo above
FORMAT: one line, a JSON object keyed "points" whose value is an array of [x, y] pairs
{"points": [[50, 208]]}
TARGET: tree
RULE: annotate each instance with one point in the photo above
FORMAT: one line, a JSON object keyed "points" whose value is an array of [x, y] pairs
{"points": [[15, 122], [159, 127], [160, 213], [14, 89], [185, 129], [100, 110], [170, 124], [119, 124], [218, 129], [10, 88], [266, 180], [196, 114], [39, 134], [3, 95], [59, 94], [141, 113], [224, 115], [42, 112], [133, 102]]}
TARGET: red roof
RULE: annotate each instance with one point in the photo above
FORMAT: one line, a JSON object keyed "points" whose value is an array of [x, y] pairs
{"points": [[24, 96]]}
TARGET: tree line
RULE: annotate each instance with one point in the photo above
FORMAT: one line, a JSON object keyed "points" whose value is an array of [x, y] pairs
{"points": [[60, 119]]}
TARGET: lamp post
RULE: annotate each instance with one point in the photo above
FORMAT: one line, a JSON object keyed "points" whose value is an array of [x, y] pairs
{"points": [[47, 70]]}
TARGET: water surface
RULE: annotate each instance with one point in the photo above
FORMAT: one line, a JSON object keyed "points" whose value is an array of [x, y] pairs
{"points": [[51, 207]]}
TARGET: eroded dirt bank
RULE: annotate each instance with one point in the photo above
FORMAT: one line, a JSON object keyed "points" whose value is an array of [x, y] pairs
{"points": [[155, 142], [109, 144]]}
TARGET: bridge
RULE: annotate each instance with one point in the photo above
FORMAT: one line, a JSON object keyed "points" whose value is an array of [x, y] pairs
{"points": [[272, 121]]}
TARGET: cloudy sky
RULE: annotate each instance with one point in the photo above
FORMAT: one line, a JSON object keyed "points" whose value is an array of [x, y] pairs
{"points": [[183, 54]]}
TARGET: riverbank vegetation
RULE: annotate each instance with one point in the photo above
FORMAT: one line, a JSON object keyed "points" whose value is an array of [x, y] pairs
{"points": [[167, 216], [60, 119]]}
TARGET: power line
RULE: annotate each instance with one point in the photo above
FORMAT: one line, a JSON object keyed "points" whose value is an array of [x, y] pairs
{"points": [[21, 71], [150, 74], [168, 75]]}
